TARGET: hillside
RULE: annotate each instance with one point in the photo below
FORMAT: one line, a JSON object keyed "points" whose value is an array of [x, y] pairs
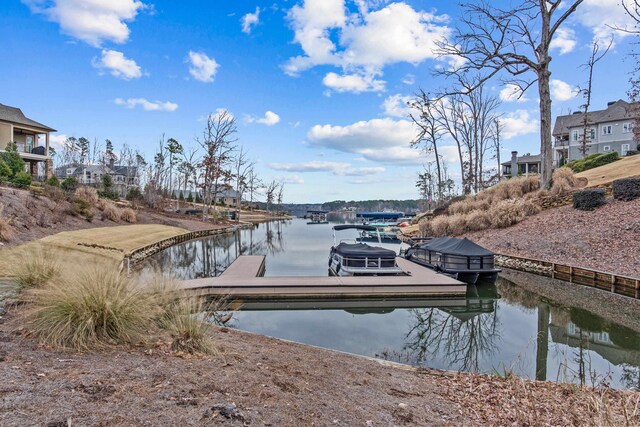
{"points": [[624, 168]]}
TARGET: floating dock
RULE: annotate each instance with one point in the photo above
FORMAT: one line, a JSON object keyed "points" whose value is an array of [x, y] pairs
{"points": [[243, 280]]}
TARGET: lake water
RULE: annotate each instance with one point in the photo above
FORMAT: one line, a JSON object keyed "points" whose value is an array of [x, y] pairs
{"points": [[494, 330]]}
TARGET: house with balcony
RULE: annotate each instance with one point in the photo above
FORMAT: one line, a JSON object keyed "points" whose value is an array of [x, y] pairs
{"points": [[122, 177], [521, 165], [608, 130], [31, 138]]}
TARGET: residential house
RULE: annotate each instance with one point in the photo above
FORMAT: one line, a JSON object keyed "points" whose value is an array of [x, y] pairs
{"points": [[226, 195], [31, 138], [523, 165], [122, 177], [608, 130]]}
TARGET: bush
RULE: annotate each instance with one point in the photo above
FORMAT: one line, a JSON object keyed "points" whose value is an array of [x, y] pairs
{"points": [[593, 161], [83, 208], [111, 212], [53, 181], [22, 179], [440, 225], [425, 228], [92, 309], [506, 213], [5, 171], [588, 200], [108, 192], [134, 194], [12, 160], [478, 220], [129, 215], [626, 189], [457, 224], [89, 194], [69, 184]]}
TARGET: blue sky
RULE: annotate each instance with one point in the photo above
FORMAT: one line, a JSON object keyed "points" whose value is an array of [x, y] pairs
{"points": [[316, 86]]}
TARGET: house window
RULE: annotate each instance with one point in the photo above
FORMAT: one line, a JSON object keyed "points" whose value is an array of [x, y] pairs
{"points": [[69, 171], [606, 130], [625, 149], [593, 134], [606, 148], [574, 135], [626, 127]]}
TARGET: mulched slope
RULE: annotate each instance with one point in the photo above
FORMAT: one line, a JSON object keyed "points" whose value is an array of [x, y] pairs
{"points": [[606, 239], [258, 380]]}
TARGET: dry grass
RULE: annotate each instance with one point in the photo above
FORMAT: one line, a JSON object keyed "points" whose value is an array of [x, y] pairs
{"points": [[91, 309], [89, 194], [440, 225], [35, 269], [626, 167], [186, 321], [129, 215], [457, 224], [564, 181], [111, 212], [478, 220], [513, 188], [505, 213], [6, 231]]}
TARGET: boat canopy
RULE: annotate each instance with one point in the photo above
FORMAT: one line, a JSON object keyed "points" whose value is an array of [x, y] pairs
{"points": [[380, 215], [317, 212], [354, 227], [361, 250], [455, 246]]}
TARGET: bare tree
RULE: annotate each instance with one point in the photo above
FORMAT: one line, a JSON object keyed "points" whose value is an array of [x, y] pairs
{"points": [[497, 144], [596, 56], [271, 189], [280, 194], [430, 131], [174, 148], [253, 183], [242, 166], [514, 41], [218, 143]]}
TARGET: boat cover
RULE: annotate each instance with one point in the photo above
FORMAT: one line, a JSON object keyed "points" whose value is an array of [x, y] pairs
{"points": [[456, 246], [354, 227], [381, 215], [362, 250]]}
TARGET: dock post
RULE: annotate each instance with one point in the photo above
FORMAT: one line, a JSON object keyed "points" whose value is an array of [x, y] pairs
{"points": [[570, 274], [613, 283]]}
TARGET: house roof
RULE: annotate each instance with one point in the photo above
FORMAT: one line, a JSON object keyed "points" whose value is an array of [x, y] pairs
{"points": [[619, 110], [527, 158], [15, 115]]}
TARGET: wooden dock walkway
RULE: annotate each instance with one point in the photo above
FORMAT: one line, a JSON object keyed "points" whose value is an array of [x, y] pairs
{"points": [[242, 280]]}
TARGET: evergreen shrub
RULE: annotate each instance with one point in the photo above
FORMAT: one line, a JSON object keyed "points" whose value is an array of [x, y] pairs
{"points": [[626, 189], [588, 200]]}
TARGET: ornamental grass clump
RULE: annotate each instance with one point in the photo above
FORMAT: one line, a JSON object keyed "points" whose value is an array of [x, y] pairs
{"points": [[6, 231], [92, 309], [457, 224], [35, 269], [563, 180], [440, 225], [186, 320], [478, 220], [111, 212], [505, 213], [129, 215], [89, 194]]}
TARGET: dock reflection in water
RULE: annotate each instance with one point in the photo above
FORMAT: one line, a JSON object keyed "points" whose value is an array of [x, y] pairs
{"points": [[501, 329]]}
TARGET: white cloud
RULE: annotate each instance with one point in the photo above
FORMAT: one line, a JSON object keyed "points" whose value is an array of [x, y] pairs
{"points": [[118, 65], [396, 106], [512, 93], [564, 40], [270, 118], [336, 168], [561, 91], [146, 105], [202, 68], [250, 21], [353, 83], [409, 79], [381, 140], [57, 141], [94, 21], [363, 42], [603, 16], [291, 179], [518, 123]]}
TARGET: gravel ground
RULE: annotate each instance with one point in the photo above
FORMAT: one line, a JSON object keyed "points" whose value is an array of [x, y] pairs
{"points": [[606, 239]]}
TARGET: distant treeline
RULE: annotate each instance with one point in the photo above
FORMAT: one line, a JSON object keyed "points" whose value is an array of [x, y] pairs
{"points": [[299, 209]]}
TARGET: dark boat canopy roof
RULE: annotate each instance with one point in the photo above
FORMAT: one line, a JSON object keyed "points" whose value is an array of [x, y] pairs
{"points": [[381, 215], [319, 212], [455, 246], [354, 226], [363, 250]]}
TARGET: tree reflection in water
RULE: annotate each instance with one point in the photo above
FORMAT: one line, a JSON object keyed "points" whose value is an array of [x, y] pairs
{"points": [[209, 257], [461, 336]]}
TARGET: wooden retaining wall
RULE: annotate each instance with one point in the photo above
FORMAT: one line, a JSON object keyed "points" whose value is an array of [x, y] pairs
{"points": [[136, 256], [615, 283]]}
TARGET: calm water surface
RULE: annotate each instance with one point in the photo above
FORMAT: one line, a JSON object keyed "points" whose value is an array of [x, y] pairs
{"points": [[494, 330]]}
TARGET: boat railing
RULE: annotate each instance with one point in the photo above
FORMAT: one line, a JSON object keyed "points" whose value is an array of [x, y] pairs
{"points": [[369, 263]]}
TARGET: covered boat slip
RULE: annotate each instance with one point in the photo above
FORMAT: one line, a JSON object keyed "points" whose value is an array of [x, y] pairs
{"points": [[453, 254], [245, 283]]}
